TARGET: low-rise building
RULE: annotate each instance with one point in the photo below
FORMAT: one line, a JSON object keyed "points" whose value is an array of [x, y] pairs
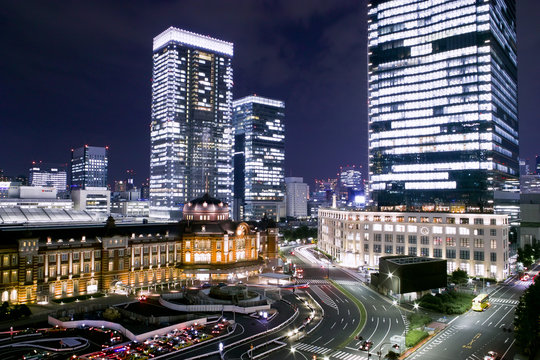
{"points": [[476, 243], [41, 262]]}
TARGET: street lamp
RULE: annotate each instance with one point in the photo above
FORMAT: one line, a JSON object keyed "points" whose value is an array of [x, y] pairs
{"points": [[415, 306], [390, 276]]}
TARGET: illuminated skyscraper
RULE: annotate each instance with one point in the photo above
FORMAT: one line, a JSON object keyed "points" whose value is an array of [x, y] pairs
{"points": [[89, 167], [48, 175], [443, 126], [259, 158], [191, 130]]}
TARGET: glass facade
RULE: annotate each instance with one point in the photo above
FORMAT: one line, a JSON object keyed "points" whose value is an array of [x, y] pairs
{"points": [[259, 157], [443, 126], [89, 167], [191, 129]]}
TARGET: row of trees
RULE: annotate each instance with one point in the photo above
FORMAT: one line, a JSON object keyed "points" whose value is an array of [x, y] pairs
{"points": [[15, 312], [302, 232], [529, 254], [527, 321]]}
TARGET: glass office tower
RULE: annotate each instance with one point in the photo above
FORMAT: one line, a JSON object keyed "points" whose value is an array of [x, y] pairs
{"points": [[191, 129], [89, 167], [443, 125], [259, 158]]}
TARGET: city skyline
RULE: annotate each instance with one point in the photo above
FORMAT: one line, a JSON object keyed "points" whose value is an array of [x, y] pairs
{"points": [[302, 63]]}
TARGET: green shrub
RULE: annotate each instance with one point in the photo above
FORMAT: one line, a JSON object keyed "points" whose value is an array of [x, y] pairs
{"points": [[413, 337], [448, 303], [418, 320]]}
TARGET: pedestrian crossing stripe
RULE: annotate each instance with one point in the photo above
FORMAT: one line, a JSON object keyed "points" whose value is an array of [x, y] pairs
{"points": [[324, 297], [342, 355], [312, 348], [504, 301], [325, 282]]}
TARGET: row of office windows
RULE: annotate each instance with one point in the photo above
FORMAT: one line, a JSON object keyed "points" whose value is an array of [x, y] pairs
{"points": [[437, 253]]}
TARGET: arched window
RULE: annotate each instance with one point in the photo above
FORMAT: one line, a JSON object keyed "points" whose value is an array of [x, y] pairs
{"points": [[188, 256], [5, 296], [218, 256]]}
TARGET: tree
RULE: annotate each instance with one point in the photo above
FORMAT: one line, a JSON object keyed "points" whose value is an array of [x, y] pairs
{"points": [[110, 226], [527, 321], [526, 255], [459, 276]]}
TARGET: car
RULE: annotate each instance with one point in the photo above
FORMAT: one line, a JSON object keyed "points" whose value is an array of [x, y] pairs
{"points": [[492, 355], [366, 345]]}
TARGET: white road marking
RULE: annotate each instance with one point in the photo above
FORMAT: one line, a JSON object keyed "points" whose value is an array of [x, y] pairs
{"points": [[383, 307], [334, 324]]}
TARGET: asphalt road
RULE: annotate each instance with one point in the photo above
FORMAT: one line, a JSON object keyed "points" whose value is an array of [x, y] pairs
{"points": [[341, 316], [471, 335]]}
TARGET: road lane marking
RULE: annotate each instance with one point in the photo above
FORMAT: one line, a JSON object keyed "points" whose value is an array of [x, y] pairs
{"points": [[505, 341], [503, 355], [345, 326], [502, 318], [349, 312], [374, 331], [317, 339], [498, 308], [387, 331], [374, 307], [383, 307], [469, 345], [326, 343]]}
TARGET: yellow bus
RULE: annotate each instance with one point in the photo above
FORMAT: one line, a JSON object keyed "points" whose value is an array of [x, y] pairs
{"points": [[481, 302]]}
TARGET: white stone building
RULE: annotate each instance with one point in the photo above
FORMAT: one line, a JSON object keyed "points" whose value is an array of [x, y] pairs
{"points": [[476, 243]]}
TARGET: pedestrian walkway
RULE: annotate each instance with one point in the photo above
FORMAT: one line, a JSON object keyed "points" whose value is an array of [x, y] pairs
{"points": [[314, 281], [342, 355], [312, 348], [324, 297], [502, 301]]}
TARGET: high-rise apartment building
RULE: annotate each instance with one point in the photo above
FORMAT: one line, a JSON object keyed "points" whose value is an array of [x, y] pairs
{"points": [[89, 167], [259, 158], [191, 129], [48, 175], [443, 126]]}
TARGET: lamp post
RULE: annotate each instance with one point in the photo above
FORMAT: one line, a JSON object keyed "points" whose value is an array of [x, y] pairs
{"points": [[390, 276]]}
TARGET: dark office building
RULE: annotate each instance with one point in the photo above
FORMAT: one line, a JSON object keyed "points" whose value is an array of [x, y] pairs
{"points": [[89, 167], [406, 274]]}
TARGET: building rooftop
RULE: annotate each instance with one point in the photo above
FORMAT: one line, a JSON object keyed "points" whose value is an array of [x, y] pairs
{"points": [[405, 259]]}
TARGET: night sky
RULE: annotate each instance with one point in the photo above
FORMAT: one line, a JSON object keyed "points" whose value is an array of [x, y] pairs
{"points": [[78, 72]]}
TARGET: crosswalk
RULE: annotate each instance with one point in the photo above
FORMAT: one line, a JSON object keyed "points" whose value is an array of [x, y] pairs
{"points": [[342, 355], [425, 351], [502, 301], [312, 348], [325, 282], [324, 297], [314, 281], [348, 282]]}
